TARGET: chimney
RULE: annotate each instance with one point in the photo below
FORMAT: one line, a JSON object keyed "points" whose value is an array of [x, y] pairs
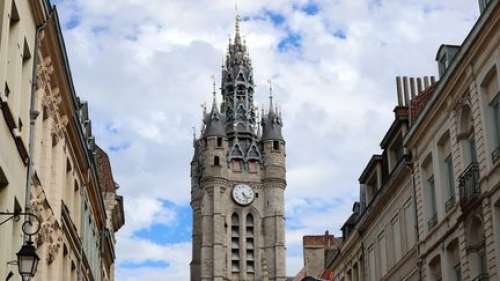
{"points": [[419, 85], [400, 91], [412, 87], [406, 91]]}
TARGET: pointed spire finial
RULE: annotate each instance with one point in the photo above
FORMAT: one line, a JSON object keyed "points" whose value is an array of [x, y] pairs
{"points": [[214, 91], [237, 37], [270, 82]]}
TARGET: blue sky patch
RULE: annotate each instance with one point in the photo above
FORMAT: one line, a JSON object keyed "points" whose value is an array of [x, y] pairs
{"points": [[291, 41], [119, 147], [311, 8], [275, 17], [179, 231], [150, 264], [72, 23], [340, 34]]}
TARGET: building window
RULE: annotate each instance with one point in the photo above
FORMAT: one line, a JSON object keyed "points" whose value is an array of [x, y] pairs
{"points": [[495, 105], [219, 142], [435, 269], [396, 238], [454, 261], [431, 199], [447, 183], [371, 264], [466, 136], [491, 99], [382, 253], [250, 244], [216, 161], [409, 214], [450, 182], [235, 243]]}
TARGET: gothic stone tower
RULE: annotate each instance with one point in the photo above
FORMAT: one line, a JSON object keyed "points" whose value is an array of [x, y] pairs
{"points": [[238, 183]]}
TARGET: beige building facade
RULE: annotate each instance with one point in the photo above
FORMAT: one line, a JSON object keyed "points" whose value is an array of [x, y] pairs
{"points": [[429, 205], [50, 164]]}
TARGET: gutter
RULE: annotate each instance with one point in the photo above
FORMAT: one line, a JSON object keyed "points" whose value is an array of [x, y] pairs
{"points": [[464, 50], [33, 116]]}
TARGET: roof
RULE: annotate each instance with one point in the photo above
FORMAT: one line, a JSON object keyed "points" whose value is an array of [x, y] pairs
{"points": [[368, 169], [462, 53], [104, 171], [420, 101]]}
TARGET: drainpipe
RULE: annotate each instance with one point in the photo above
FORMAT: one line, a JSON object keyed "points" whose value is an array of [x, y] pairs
{"points": [[33, 116], [409, 166]]}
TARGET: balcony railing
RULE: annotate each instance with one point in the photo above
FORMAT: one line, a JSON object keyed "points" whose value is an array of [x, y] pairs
{"points": [[482, 277], [469, 184]]}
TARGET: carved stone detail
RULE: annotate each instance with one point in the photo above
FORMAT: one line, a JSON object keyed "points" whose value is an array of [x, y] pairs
{"points": [[50, 230], [51, 97]]}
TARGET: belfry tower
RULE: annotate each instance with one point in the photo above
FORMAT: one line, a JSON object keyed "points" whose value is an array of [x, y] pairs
{"points": [[238, 180]]}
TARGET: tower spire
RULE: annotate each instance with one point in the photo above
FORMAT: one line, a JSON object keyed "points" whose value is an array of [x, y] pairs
{"points": [[214, 92], [237, 36], [270, 82]]}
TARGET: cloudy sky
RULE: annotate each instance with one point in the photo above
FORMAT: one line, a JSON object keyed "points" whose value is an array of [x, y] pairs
{"points": [[145, 68]]}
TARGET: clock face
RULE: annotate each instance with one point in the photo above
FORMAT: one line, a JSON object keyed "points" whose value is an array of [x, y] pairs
{"points": [[243, 194]]}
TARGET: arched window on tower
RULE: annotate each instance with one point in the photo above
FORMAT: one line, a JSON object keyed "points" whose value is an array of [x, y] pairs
{"points": [[276, 145], [250, 244], [216, 161], [235, 243]]}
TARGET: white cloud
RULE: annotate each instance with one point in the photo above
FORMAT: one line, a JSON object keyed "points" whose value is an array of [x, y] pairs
{"points": [[145, 67]]}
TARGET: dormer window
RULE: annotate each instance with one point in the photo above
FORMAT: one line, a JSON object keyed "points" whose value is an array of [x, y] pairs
{"points": [[445, 57], [443, 64], [483, 4]]}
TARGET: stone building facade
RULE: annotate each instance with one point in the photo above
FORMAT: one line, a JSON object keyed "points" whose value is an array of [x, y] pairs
{"points": [[429, 205], [238, 180], [51, 166]]}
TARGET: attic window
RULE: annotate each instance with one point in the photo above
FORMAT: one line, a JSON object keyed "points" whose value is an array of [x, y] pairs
{"points": [[483, 4], [276, 145], [219, 142], [216, 161], [443, 64]]}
